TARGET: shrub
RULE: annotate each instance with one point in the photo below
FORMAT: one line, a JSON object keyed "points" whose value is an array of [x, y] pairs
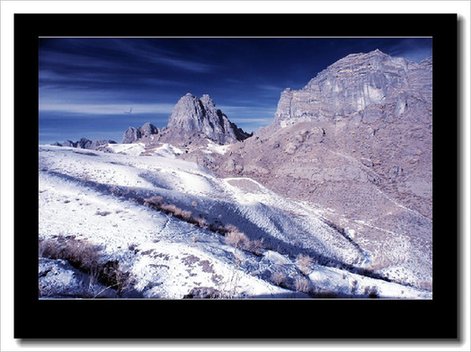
{"points": [[230, 228], [236, 238], [79, 253], [304, 262], [170, 208], [278, 278], [86, 257], [201, 222], [186, 215], [255, 246], [112, 276], [371, 291], [156, 201], [354, 286], [302, 284]]}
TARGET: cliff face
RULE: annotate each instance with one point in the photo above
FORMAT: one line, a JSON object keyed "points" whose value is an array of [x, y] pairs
{"points": [[371, 86], [192, 116], [144, 133], [193, 120], [357, 142]]}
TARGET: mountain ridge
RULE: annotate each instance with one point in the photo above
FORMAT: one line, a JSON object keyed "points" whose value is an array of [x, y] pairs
{"points": [[356, 140], [191, 118]]}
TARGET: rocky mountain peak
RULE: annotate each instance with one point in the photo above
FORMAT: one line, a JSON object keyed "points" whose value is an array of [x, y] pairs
{"points": [[207, 101], [133, 134], [194, 116], [357, 84]]}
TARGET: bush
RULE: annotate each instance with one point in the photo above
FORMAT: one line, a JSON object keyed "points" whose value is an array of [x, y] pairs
{"points": [[255, 246], [236, 239], [155, 201], [201, 222], [86, 257], [233, 236], [302, 284], [371, 292], [112, 276], [304, 262], [186, 215], [278, 278], [79, 253]]}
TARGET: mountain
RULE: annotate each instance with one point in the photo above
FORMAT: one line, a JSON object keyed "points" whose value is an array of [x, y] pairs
{"points": [[356, 142], [194, 117], [371, 86], [147, 132], [193, 120], [333, 199], [85, 143]]}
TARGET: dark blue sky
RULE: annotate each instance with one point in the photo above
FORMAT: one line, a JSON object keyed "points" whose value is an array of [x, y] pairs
{"points": [[88, 86]]}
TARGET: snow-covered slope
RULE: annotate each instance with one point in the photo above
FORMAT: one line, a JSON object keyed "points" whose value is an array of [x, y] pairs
{"points": [[105, 198]]}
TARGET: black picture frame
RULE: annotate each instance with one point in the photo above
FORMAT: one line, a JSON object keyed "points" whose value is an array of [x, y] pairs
{"points": [[220, 319]]}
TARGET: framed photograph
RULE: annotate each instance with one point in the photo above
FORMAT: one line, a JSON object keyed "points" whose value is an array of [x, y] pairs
{"points": [[206, 175]]}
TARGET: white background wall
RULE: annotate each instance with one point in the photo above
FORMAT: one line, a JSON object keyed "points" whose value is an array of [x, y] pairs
{"points": [[9, 8]]}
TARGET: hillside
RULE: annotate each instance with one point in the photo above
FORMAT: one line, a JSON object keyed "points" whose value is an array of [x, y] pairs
{"points": [[177, 230]]}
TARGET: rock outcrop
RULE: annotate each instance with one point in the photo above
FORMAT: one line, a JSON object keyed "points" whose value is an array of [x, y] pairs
{"points": [[85, 143], [146, 132], [57, 278], [193, 117], [372, 86], [192, 121], [356, 140]]}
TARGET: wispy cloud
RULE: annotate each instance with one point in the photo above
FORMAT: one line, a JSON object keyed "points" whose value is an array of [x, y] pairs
{"points": [[106, 109], [269, 87], [248, 111], [144, 51], [414, 49], [255, 120]]}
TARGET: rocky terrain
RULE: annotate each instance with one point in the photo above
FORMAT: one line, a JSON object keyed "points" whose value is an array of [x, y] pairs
{"points": [[85, 143], [192, 120], [334, 198], [137, 222], [356, 141]]}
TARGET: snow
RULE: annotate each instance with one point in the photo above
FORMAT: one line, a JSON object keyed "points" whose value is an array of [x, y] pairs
{"points": [[129, 149], [216, 148], [99, 197]]}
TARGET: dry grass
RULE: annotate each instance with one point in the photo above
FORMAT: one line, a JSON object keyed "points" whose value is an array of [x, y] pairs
{"points": [[236, 238], [278, 278], [304, 263], [256, 246], [233, 236], [302, 284], [154, 201], [79, 253], [201, 222], [371, 291], [85, 257]]}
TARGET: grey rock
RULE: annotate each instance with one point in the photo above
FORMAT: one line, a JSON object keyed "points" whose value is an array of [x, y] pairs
{"points": [[131, 135], [102, 142], [145, 133], [85, 143], [204, 292], [58, 279], [358, 83], [69, 143], [356, 140], [148, 129], [192, 117]]}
